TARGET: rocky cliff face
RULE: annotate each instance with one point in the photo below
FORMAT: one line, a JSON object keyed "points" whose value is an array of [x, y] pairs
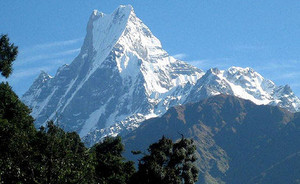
{"points": [[123, 76]]}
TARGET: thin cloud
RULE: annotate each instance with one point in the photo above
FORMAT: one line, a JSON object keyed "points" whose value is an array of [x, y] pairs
{"points": [[280, 70], [180, 56], [23, 73], [68, 52], [295, 61], [198, 63], [248, 47], [205, 64], [275, 65], [46, 56], [295, 85], [290, 75], [51, 45]]}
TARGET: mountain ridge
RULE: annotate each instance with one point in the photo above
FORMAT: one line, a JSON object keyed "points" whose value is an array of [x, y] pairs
{"points": [[122, 76], [237, 141]]}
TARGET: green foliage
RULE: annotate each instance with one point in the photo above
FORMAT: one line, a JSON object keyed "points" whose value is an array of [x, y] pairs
{"points": [[30, 156], [168, 162], [8, 53], [52, 155], [16, 133], [111, 167], [62, 156]]}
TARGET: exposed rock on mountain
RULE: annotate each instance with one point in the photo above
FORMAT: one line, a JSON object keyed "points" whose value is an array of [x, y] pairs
{"points": [[122, 76]]}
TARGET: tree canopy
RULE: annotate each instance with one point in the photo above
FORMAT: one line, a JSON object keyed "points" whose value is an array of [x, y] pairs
{"points": [[168, 162], [8, 53], [111, 167]]}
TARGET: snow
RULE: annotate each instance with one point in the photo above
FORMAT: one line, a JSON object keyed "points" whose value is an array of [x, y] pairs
{"points": [[39, 107], [248, 84], [77, 114], [253, 85], [91, 122], [105, 34], [122, 44], [62, 98]]}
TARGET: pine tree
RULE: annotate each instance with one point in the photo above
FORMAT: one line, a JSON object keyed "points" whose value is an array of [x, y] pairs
{"points": [[16, 133], [62, 156], [111, 167], [8, 53], [30, 156], [168, 162]]}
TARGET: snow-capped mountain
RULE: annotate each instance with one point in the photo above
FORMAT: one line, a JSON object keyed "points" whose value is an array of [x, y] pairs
{"points": [[122, 76], [244, 83], [121, 72]]}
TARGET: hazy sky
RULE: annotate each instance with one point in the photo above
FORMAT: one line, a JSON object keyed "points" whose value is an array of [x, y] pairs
{"points": [[262, 34]]}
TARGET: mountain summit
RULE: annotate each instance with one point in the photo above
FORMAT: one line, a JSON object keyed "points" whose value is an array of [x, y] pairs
{"points": [[123, 76], [121, 73]]}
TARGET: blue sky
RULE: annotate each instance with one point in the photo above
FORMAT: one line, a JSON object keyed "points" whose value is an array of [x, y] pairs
{"points": [[264, 35]]}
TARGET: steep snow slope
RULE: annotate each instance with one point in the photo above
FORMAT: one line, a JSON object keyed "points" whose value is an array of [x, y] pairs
{"points": [[122, 76]]}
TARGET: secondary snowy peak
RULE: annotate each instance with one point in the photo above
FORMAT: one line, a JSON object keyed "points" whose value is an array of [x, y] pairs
{"points": [[39, 83], [244, 83], [123, 76]]}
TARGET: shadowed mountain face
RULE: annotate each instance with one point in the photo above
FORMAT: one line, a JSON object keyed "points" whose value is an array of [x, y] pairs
{"points": [[237, 141]]}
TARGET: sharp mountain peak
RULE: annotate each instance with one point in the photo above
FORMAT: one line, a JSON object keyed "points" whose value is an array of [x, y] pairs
{"points": [[123, 76]]}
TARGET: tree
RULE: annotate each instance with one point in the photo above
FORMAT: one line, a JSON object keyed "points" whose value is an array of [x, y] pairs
{"points": [[61, 156], [168, 162], [8, 53], [111, 167], [16, 134]]}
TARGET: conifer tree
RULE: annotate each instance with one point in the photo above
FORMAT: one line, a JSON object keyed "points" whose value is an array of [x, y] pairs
{"points": [[62, 156], [168, 162], [111, 167], [16, 134], [8, 53]]}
